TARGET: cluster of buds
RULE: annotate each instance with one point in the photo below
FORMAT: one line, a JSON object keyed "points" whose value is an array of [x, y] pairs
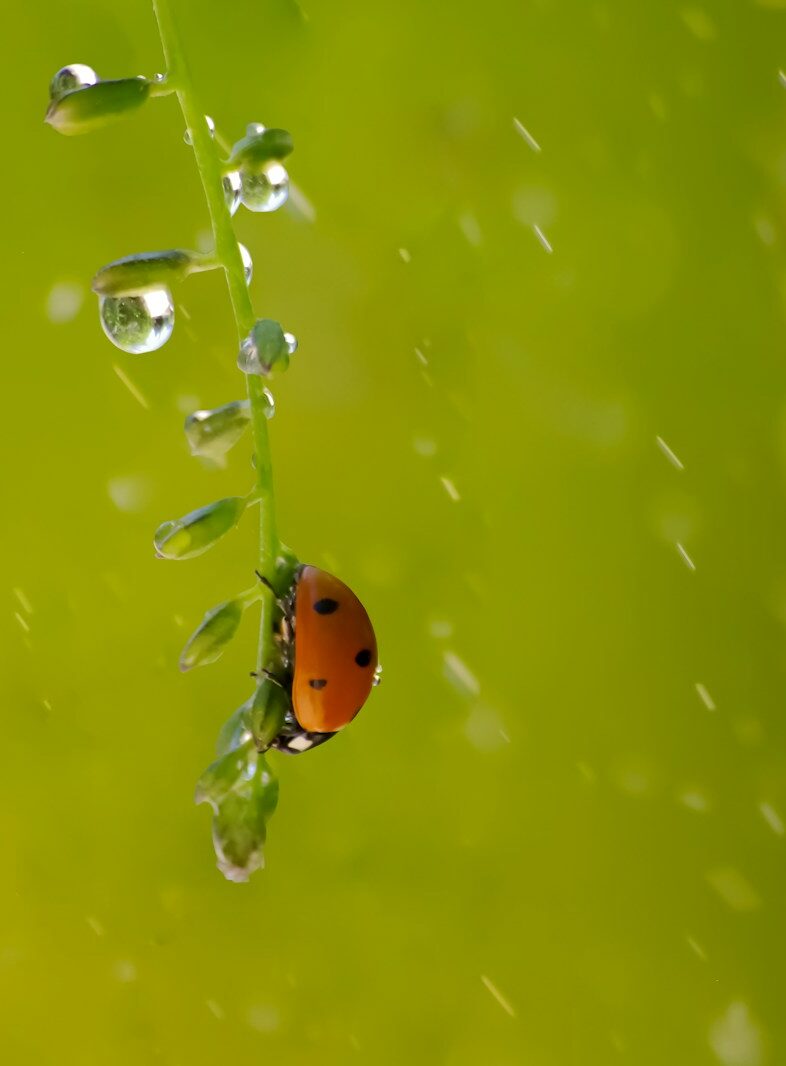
{"points": [[137, 313]]}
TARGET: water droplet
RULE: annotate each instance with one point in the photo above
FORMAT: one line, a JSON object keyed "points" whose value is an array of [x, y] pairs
{"points": [[159, 78], [210, 125], [64, 301], [291, 340], [130, 494], [232, 189], [484, 729], [124, 971], [140, 323], [673, 459], [265, 189], [74, 76], [263, 1018], [503, 1002], [253, 129], [95, 925], [451, 489], [248, 262], [425, 446], [772, 818], [459, 674], [269, 403], [542, 238], [215, 1009], [695, 800], [736, 1037], [521, 129], [704, 696], [734, 888]]}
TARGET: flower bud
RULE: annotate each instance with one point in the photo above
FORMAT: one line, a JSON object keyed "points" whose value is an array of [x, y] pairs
{"points": [[209, 640], [235, 731], [223, 775], [243, 794], [196, 532], [211, 434], [266, 349], [267, 712], [259, 147], [148, 270], [96, 105]]}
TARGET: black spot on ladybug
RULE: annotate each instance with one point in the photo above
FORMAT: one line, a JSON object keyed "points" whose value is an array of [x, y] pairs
{"points": [[317, 682], [363, 658], [326, 606]]}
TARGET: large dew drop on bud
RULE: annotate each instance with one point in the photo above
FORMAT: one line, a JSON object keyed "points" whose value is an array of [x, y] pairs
{"points": [[140, 323]]}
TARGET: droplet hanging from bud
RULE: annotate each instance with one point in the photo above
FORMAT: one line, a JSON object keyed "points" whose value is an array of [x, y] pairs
{"points": [[266, 349], [265, 188], [197, 532], [232, 190], [211, 434], [248, 262], [140, 323], [68, 79], [89, 108], [243, 793]]}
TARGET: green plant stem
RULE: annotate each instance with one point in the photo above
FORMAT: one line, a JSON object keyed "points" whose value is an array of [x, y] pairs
{"points": [[228, 254]]}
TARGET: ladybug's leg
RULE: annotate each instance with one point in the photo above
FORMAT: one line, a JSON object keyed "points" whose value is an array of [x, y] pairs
{"points": [[281, 604], [259, 674], [283, 636]]}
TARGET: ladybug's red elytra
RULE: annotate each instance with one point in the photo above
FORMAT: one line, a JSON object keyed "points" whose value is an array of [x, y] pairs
{"points": [[331, 649]]}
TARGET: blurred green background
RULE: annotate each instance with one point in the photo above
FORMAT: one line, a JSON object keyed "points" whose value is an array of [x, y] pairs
{"points": [[540, 843]]}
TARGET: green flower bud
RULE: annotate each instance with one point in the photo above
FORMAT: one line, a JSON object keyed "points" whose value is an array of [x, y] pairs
{"points": [[211, 434], [223, 775], [196, 532], [243, 794], [148, 270], [266, 349], [235, 731], [266, 713], [258, 148], [96, 105], [209, 640]]}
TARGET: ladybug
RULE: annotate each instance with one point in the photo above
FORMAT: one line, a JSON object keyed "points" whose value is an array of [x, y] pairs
{"points": [[330, 651]]}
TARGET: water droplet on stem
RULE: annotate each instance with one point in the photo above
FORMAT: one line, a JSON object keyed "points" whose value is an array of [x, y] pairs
{"points": [[232, 190], [188, 138], [248, 262]]}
